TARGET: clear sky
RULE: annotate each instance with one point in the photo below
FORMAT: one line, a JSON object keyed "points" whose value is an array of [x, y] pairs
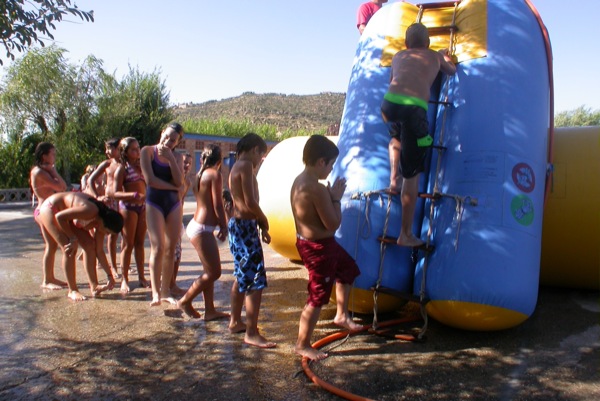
{"points": [[211, 50]]}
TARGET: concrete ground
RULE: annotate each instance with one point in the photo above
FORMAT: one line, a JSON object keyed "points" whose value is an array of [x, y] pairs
{"points": [[117, 347]]}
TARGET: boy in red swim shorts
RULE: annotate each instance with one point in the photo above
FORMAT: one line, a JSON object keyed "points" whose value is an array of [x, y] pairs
{"points": [[317, 215]]}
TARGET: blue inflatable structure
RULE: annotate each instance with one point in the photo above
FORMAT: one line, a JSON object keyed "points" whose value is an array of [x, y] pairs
{"points": [[484, 186]]}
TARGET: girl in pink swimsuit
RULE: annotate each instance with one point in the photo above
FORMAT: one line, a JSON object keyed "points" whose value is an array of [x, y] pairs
{"points": [[130, 191], [45, 181], [58, 216]]}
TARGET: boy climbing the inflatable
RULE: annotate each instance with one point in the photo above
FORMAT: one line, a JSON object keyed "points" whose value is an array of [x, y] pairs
{"points": [[317, 215], [405, 109]]}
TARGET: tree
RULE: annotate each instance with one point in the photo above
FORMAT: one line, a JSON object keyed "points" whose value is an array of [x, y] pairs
{"points": [[19, 27], [137, 106], [579, 117], [43, 97]]}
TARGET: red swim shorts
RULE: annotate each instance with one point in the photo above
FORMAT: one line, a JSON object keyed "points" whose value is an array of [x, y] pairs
{"points": [[326, 262]]}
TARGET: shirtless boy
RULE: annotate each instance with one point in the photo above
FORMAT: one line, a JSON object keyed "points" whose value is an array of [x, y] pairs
{"points": [[405, 108], [107, 167], [244, 241], [317, 215]]}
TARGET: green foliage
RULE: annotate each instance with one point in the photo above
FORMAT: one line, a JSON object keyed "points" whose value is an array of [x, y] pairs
{"points": [[286, 113], [75, 107], [20, 24], [137, 106], [579, 117], [237, 129], [16, 160]]}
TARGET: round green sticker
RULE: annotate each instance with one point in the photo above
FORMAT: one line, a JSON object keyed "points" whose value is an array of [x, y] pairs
{"points": [[521, 208]]}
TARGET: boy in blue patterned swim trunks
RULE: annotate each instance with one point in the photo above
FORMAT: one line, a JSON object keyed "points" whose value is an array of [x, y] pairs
{"points": [[246, 228]]}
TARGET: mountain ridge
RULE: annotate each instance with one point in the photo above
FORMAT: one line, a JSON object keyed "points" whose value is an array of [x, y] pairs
{"points": [[316, 112]]}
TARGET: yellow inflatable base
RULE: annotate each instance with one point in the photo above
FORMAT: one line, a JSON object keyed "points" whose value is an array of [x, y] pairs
{"points": [[473, 316], [458, 314], [361, 301]]}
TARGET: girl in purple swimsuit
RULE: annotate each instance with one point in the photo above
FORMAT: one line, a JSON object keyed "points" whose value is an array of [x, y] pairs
{"points": [[130, 191], [163, 172]]}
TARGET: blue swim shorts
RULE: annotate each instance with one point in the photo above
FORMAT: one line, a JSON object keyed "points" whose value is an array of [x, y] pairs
{"points": [[248, 258]]}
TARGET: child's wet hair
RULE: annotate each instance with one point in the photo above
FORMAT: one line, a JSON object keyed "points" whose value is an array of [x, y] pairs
{"points": [[178, 128], [124, 146], [417, 36], [249, 142], [111, 219], [211, 156], [112, 142], [42, 149], [317, 147]]}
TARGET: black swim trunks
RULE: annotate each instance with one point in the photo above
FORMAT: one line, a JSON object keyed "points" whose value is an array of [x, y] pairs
{"points": [[408, 123]]}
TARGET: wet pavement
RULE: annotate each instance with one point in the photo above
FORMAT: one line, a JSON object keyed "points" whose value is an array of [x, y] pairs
{"points": [[117, 347]]}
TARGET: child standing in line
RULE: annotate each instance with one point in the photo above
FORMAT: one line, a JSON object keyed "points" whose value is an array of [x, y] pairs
{"points": [[163, 172], [45, 181], [130, 192], [244, 241], [176, 291], [107, 168], [317, 215], [209, 214]]}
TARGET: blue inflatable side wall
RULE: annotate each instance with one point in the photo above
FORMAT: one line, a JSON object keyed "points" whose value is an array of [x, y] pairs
{"points": [[486, 228]]}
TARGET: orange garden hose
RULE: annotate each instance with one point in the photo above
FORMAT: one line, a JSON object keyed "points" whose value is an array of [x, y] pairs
{"points": [[341, 334]]}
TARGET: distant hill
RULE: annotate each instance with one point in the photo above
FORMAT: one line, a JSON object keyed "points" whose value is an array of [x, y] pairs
{"points": [[309, 112]]}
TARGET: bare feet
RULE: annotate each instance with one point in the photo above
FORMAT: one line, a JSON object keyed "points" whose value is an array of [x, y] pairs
{"points": [[99, 289], [111, 283], [177, 292], [310, 353], [259, 341], [143, 282], [155, 301], [125, 287], [409, 241], [114, 272], [216, 315], [53, 285], [76, 296], [169, 300], [189, 310], [347, 323], [237, 328]]}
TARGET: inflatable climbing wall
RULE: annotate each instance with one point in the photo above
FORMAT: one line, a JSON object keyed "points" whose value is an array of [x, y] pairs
{"points": [[485, 180]]}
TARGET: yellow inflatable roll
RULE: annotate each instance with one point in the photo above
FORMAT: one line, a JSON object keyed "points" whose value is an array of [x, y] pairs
{"points": [[571, 228], [275, 178]]}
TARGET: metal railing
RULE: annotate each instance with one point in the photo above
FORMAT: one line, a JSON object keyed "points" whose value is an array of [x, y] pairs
{"points": [[15, 195]]}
